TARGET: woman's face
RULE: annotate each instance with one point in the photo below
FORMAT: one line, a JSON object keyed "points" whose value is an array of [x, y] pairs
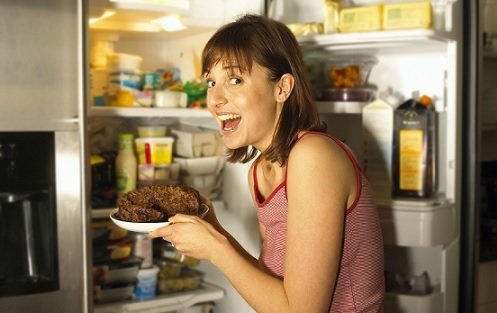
{"points": [[243, 105]]}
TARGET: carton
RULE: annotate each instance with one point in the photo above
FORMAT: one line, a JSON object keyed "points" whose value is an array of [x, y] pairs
{"points": [[407, 15], [361, 19], [195, 142]]}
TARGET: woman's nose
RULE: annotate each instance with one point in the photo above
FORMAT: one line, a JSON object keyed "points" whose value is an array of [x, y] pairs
{"points": [[215, 97]]}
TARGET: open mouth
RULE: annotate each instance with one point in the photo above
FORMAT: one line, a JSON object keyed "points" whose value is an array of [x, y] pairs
{"points": [[229, 121]]}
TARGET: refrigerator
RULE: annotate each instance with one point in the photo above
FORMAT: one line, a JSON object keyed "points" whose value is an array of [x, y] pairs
{"points": [[42, 156], [438, 238], [457, 65]]}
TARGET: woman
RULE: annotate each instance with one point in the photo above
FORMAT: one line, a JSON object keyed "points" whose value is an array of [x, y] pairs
{"points": [[322, 247]]}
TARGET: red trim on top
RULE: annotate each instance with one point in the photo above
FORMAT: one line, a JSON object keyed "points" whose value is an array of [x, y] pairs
{"points": [[344, 147], [256, 188]]}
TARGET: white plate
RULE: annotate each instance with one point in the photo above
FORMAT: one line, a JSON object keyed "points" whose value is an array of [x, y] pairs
{"points": [[148, 226]]}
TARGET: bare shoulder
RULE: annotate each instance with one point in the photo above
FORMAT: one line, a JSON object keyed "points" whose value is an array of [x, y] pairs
{"points": [[317, 147], [317, 165]]}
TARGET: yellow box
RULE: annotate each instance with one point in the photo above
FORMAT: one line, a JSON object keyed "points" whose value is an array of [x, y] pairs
{"points": [[154, 150], [361, 19], [407, 15]]}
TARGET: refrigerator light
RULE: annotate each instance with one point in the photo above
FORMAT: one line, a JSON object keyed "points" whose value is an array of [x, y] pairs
{"points": [[105, 15], [180, 4], [170, 23]]}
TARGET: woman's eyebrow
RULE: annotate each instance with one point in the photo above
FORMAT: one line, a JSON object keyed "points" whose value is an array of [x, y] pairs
{"points": [[234, 68]]}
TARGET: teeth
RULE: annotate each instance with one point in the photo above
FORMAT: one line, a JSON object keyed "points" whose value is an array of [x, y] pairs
{"points": [[230, 116]]}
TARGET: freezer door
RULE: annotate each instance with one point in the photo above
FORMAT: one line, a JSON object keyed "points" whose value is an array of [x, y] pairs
{"points": [[40, 64]]}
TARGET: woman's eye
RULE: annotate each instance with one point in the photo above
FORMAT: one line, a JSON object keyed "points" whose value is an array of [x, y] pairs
{"points": [[211, 83], [235, 81]]}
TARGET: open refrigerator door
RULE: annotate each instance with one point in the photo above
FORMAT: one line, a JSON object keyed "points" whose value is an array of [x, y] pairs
{"points": [[422, 57]]}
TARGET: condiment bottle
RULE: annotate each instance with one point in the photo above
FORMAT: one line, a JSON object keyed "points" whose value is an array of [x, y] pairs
{"points": [[126, 165], [414, 149]]}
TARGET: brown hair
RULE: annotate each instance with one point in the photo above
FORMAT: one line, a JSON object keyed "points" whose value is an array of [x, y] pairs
{"points": [[269, 43]]}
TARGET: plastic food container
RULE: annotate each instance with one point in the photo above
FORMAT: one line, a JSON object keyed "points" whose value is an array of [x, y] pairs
{"points": [[146, 286], [114, 273], [349, 71], [113, 292], [168, 268], [195, 142], [208, 185], [166, 251], [158, 172], [349, 94], [201, 166], [144, 98], [189, 280], [170, 99], [121, 62], [152, 131], [154, 150]]}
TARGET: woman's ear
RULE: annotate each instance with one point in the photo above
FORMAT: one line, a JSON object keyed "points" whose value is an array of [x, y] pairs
{"points": [[284, 87]]}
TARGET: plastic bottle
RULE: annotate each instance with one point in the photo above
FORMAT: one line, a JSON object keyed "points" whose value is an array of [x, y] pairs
{"points": [[126, 165], [414, 149]]}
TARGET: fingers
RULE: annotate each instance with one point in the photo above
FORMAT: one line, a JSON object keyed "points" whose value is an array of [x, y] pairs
{"points": [[165, 231], [183, 218], [157, 233], [206, 200]]}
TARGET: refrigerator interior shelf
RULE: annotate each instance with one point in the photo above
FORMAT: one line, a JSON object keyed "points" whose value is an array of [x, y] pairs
{"points": [[380, 39], [414, 303], [409, 204], [165, 303], [349, 107], [148, 112], [415, 227]]}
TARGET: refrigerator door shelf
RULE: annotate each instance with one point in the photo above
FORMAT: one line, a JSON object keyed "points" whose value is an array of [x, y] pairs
{"points": [[414, 303], [166, 303], [412, 227]]}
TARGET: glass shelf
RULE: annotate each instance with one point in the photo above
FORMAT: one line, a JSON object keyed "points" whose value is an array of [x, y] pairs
{"points": [[148, 112], [167, 302], [375, 39]]}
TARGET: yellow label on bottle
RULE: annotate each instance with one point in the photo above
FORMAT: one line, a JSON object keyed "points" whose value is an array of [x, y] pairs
{"points": [[411, 159]]}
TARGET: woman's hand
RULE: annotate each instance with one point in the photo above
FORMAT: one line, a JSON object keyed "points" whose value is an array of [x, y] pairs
{"points": [[211, 214], [192, 236]]}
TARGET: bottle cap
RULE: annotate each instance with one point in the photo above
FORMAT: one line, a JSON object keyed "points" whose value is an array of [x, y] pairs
{"points": [[425, 100], [126, 136]]}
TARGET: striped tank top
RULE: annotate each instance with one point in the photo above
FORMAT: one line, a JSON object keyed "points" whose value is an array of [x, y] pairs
{"points": [[360, 285]]}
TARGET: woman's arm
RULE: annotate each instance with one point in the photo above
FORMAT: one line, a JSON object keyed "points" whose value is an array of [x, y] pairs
{"points": [[211, 218], [320, 185]]}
